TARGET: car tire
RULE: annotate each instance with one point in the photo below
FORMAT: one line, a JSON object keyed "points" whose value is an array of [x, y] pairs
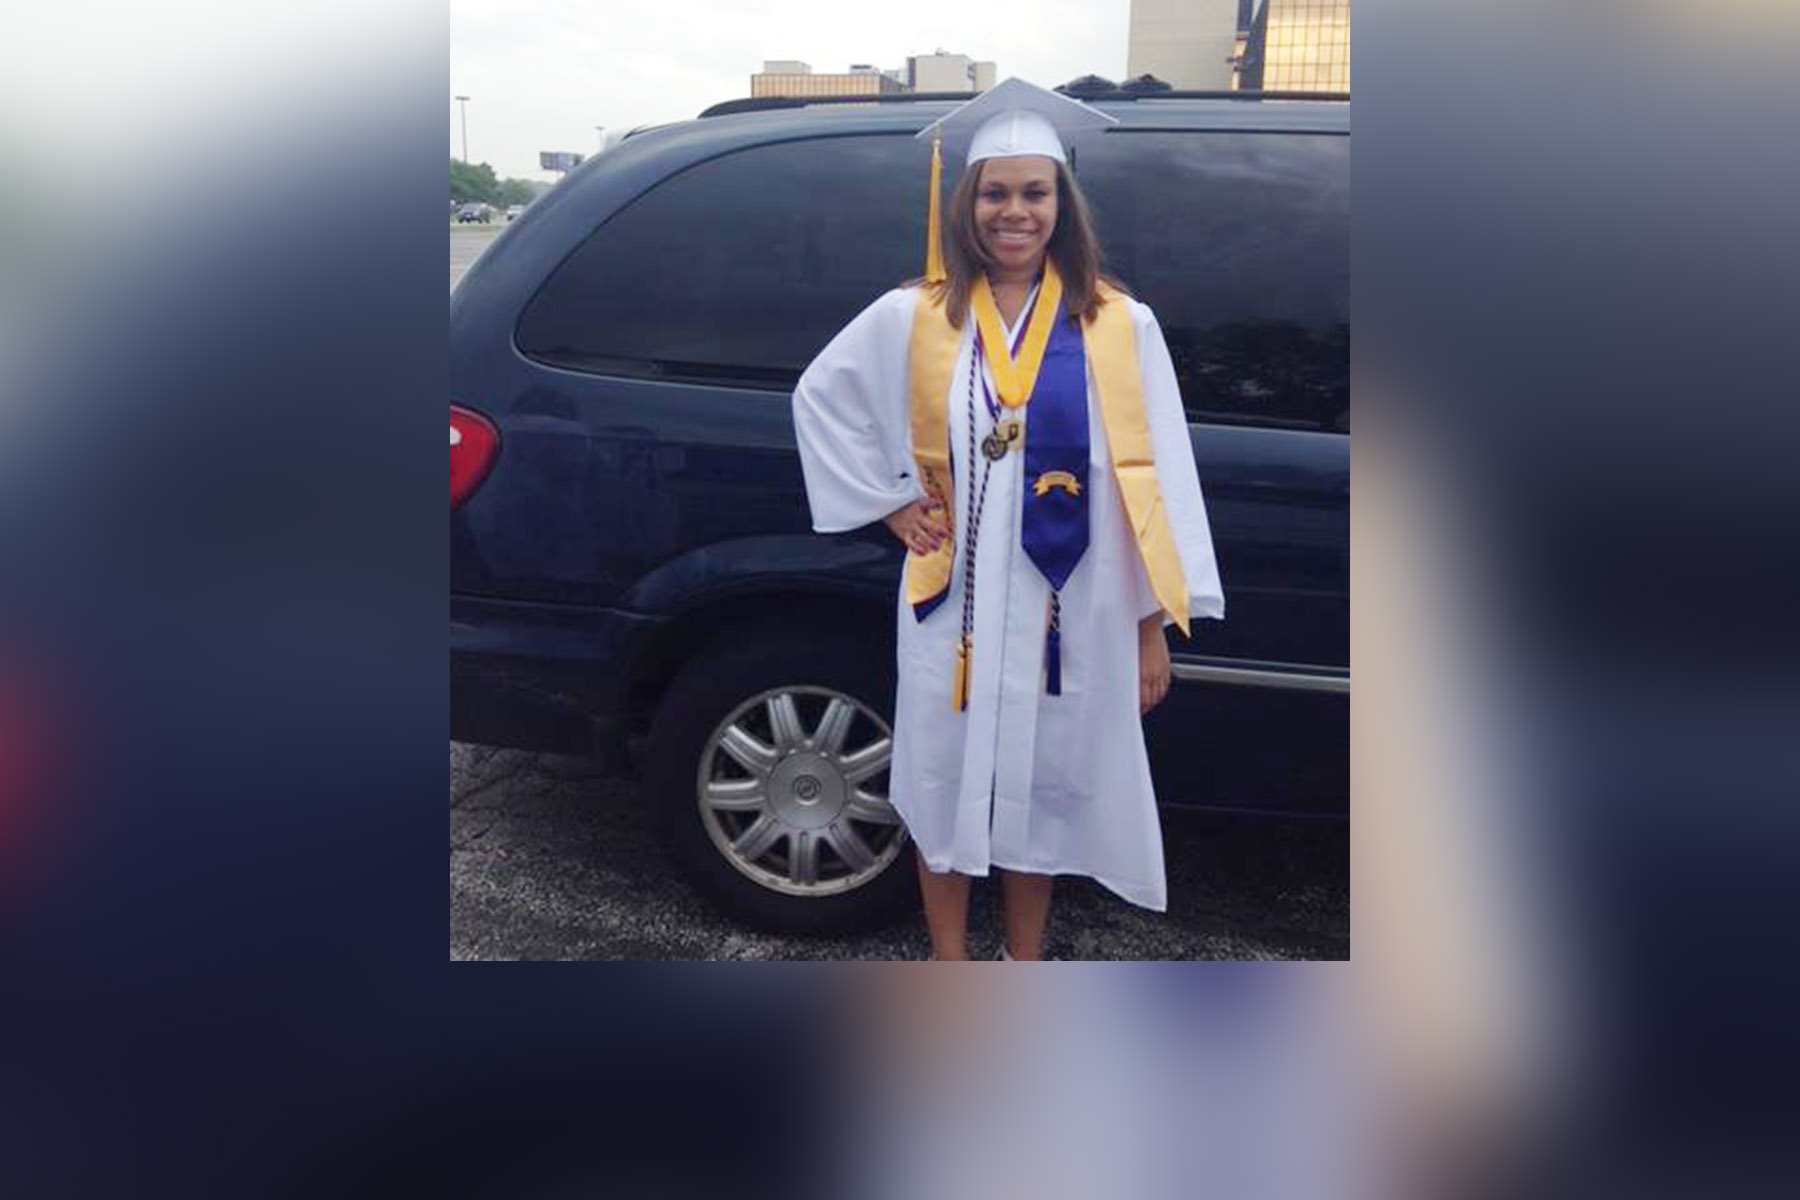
{"points": [[767, 771]]}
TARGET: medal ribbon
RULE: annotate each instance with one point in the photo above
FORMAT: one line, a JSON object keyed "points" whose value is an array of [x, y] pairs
{"points": [[1014, 377], [993, 406]]}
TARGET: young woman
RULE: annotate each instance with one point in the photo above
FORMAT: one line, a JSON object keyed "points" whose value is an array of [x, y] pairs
{"points": [[1015, 421]]}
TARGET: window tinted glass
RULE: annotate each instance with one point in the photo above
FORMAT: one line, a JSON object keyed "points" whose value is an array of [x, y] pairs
{"points": [[1241, 243], [739, 269]]}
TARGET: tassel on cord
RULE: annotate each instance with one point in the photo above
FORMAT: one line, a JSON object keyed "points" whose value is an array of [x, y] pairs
{"points": [[959, 685], [934, 249]]}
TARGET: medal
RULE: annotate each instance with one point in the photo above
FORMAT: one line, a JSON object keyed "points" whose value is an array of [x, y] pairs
{"points": [[996, 444]]}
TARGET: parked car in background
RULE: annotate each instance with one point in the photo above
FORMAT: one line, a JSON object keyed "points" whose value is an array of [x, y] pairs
{"points": [[632, 562], [513, 210], [474, 212]]}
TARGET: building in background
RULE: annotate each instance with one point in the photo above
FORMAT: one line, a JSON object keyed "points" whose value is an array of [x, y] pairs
{"points": [[938, 72], [1296, 46], [1188, 44], [1267, 45], [942, 72], [788, 77]]}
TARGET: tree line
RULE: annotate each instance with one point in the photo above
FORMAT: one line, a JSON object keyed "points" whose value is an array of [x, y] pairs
{"points": [[471, 183]]}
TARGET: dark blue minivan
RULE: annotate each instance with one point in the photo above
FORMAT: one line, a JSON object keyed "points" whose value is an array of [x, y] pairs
{"points": [[631, 550]]}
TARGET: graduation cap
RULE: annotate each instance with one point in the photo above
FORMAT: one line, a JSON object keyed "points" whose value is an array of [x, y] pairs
{"points": [[1010, 120]]}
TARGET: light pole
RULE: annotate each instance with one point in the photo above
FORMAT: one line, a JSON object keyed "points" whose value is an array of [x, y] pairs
{"points": [[463, 102]]}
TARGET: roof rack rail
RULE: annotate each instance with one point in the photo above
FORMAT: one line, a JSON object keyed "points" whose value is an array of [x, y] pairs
{"points": [[768, 103], [771, 103]]}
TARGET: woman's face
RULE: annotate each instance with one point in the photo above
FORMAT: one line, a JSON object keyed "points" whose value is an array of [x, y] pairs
{"points": [[1015, 212]]}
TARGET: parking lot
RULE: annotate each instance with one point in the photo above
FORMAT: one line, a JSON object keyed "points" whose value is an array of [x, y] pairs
{"points": [[552, 859], [467, 242]]}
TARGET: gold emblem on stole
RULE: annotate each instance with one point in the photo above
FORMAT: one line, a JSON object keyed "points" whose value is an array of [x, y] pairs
{"points": [[1061, 479]]}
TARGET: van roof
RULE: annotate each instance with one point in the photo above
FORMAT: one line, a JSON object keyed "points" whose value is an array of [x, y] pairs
{"points": [[1086, 95], [1288, 112]]}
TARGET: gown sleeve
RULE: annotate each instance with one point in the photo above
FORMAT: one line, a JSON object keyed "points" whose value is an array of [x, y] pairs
{"points": [[1176, 476], [851, 420]]}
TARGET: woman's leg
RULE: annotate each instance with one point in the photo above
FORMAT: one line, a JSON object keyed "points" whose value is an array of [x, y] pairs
{"points": [[1027, 911], [946, 898]]}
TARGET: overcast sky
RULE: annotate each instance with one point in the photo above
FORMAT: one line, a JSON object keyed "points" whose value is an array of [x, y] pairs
{"points": [[540, 74]]}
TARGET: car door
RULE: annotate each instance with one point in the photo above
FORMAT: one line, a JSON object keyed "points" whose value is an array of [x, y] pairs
{"points": [[1239, 240]]}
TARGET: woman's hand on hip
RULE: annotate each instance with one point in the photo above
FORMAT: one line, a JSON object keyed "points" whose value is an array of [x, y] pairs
{"points": [[1153, 663], [920, 526]]}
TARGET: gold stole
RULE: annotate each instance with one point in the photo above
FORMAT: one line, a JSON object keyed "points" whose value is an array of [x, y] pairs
{"points": [[1111, 344]]}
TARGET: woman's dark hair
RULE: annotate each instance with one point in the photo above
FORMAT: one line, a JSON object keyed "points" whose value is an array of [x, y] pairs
{"points": [[1074, 247]]}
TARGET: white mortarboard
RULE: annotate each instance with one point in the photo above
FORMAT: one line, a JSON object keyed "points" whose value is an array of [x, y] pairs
{"points": [[1017, 118], [1010, 120]]}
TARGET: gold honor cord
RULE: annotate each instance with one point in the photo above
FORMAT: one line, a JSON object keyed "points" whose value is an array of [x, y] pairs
{"points": [[1015, 378]]}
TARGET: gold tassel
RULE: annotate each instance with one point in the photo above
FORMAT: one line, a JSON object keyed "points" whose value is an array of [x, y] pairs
{"points": [[934, 249], [959, 686]]}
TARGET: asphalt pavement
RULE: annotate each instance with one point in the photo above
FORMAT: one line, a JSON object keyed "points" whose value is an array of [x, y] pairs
{"points": [[552, 859]]}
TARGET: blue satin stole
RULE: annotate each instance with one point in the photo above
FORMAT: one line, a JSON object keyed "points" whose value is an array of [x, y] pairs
{"points": [[1055, 518]]}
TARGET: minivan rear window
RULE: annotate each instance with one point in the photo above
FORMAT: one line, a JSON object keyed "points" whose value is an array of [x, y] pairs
{"points": [[738, 270]]}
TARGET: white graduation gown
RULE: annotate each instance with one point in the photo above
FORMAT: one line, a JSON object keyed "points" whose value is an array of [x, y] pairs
{"points": [[1021, 779]]}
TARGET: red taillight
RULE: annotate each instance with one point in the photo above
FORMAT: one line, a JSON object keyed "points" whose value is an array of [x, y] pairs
{"points": [[473, 443]]}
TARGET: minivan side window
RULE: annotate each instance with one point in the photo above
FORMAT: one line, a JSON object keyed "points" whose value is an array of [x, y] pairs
{"points": [[1240, 242], [738, 270]]}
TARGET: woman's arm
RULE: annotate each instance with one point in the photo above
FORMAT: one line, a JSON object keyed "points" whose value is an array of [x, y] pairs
{"points": [[851, 422]]}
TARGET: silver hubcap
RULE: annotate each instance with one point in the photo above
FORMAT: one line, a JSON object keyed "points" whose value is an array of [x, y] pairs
{"points": [[793, 792]]}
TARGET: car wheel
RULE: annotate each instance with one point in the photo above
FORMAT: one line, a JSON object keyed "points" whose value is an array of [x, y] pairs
{"points": [[768, 766]]}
